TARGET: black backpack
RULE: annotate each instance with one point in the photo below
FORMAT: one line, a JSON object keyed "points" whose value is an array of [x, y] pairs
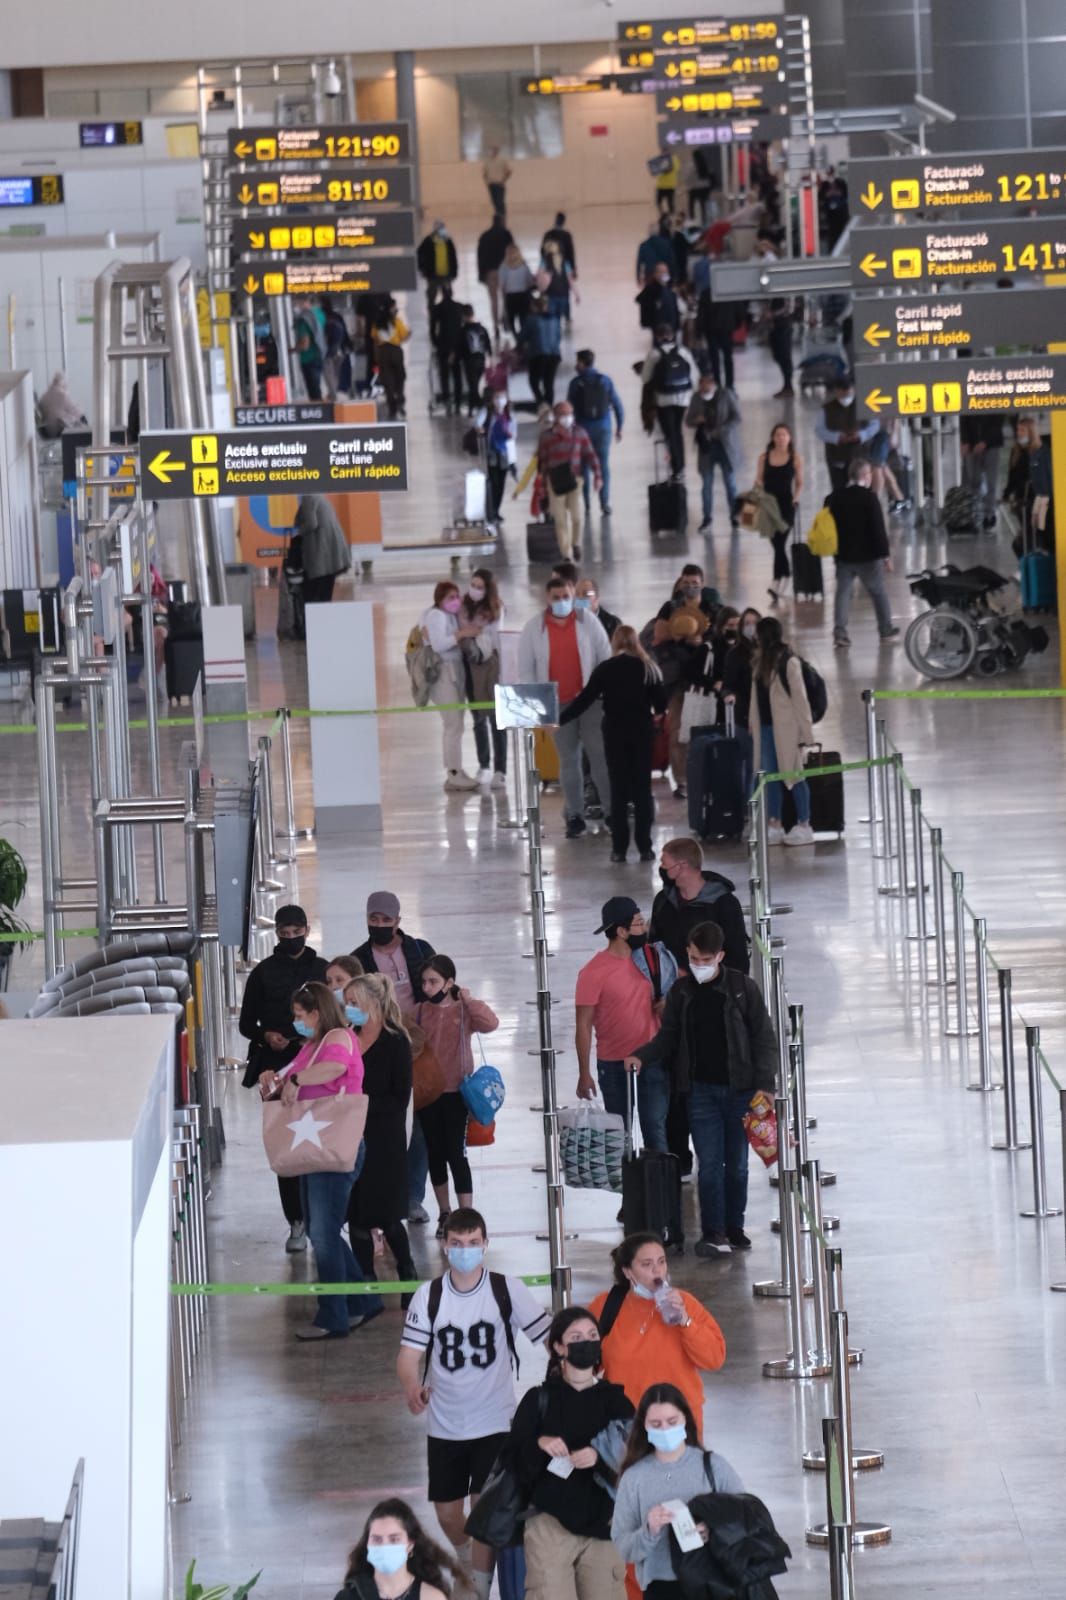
{"points": [[813, 683], [593, 398], [672, 373], [502, 1296]]}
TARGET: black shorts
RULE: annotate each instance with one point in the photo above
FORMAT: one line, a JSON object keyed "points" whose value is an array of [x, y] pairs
{"points": [[458, 1467]]}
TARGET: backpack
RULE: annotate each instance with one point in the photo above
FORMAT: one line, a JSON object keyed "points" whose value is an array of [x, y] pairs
{"points": [[593, 398], [822, 536], [423, 666], [959, 512], [476, 340], [672, 373], [813, 683], [502, 1296]]}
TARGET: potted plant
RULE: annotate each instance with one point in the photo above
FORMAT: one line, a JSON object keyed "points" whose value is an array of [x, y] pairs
{"points": [[14, 876], [217, 1591]]}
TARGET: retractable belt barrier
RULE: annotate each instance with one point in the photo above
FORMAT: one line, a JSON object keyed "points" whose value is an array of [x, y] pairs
{"points": [[216, 718]]}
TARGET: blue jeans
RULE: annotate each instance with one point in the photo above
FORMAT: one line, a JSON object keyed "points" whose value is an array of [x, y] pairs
{"points": [[600, 438], [325, 1198], [714, 456], [715, 1119], [417, 1167], [801, 794], [653, 1098]]}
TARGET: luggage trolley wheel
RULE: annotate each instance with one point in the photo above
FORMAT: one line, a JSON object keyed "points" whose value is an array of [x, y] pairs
{"points": [[941, 643]]}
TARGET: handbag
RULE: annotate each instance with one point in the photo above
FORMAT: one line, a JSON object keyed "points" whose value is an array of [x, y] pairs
{"points": [[822, 537], [699, 709], [562, 478], [322, 1134], [591, 1147], [479, 1133], [749, 515], [483, 1090], [503, 1504], [427, 1074]]}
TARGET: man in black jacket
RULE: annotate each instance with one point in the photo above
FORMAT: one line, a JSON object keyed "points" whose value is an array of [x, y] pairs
{"points": [[446, 337], [862, 551], [492, 246], [266, 1022], [691, 896], [437, 261], [718, 1041]]}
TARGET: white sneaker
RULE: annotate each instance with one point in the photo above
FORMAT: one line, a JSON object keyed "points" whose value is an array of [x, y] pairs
{"points": [[459, 780], [297, 1239], [499, 780], [484, 774], [802, 833], [775, 834]]}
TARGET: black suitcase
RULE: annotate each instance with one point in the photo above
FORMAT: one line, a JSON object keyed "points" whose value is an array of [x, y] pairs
{"points": [[184, 662], [651, 1188], [719, 779], [806, 572], [827, 795], [542, 544], [667, 507]]}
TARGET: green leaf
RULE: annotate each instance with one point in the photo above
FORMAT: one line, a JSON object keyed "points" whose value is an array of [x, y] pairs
{"points": [[246, 1588], [192, 1589]]}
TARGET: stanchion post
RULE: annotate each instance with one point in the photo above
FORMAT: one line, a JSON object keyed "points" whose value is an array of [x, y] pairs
{"points": [[266, 797], [800, 1362], [819, 1279], [984, 1084], [762, 826], [518, 819], [962, 1029], [921, 932], [869, 699], [1010, 1140], [936, 868], [1060, 1288], [781, 1287], [841, 1557], [884, 783], [1040, 1207], [860, 1533], [288, 789]]}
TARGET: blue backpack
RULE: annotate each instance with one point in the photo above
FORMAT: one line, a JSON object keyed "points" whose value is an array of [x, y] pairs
{"points": [[484, 1092]]}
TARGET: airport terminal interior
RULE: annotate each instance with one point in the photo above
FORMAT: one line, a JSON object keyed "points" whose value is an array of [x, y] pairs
{"points": [[909, 956]]}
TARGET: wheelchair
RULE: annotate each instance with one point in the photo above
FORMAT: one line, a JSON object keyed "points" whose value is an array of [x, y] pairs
{"points": [[975, 623]]}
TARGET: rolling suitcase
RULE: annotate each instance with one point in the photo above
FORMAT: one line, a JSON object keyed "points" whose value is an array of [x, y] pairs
{"points": [[827, 795], [719, 778], [651, 1186], [1036, 573], [660, 743], [546, 756], [667, 502], [806, 572], [542, 544], [184, 663]]}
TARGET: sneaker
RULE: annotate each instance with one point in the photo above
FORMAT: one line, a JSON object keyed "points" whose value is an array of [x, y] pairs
{"points": [[890, 633], [705, 525], [363, 1317], [442, 1223], [297, 1239], [680, 792], [484, 774], [841, 641], [647, 855], [775, 834], [499, 780], [738, 1239], [621, 860], [802, 833], [605, 511], [783, 394], [459, 781], [418, 1214], [312, 1333], [577, 552], [716, 1244], [575, 827]]}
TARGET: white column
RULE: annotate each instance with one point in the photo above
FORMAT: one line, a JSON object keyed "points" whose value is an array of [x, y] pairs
{"points": [[341, 676]]}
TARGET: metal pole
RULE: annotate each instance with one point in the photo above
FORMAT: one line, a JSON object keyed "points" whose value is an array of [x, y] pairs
{"points": [[286, 772], [813, 1196], [984, 1032], [266, 793], [517, 819], [936, 867], [46, 802], [962, 1029], [1060, 1288], [1010, 1141], [762, 834], [883, 783], [921, 932], [861, 1533], [779, 1013], [869, 700], [758, 964], [902, 888], [62, 322], [781, 1287], [800, 1362], [1040, 1207], [155, 779], [861, 1460], [841, 1558]]}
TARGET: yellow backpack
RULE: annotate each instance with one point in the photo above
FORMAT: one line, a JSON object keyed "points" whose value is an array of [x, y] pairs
{"points": [[822, 534]]}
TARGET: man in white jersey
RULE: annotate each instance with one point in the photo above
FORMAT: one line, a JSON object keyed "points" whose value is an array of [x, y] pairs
{"points": [[457, 1360]]}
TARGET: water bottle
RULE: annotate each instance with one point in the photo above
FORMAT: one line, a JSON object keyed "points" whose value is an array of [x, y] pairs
{"points": [[672, 1315]]}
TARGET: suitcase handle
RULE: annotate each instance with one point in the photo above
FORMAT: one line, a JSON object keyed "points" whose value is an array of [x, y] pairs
{"points": [[730, 720], [628, 1146]]}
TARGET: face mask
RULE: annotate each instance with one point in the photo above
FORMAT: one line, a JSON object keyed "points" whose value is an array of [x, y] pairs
{"points": [[566, 422], [667, 1438], [356, 1016], [846, 399], [748, 630], [705, 974], [582, 603], [381, 935], [435, 999], [466, 1257], [338, 994], [500, 401], [584, 1354], [291, 947], [387, 1558], [304, 1029], [636, 941], [730, 636], [642, 1291], [476, 594], [562, 608], [690, 591], [452, 604]]}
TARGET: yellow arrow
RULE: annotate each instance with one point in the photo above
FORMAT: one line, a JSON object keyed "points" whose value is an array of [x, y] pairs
{"points": [[631, 33], [875, 334], [163, 468], [244, 194], [673, 104], [251, 284], [871, 264], [871, 197], [257, 240], [669, 37], [533, 88], [672, 69], [877, 401], [242, 149]]}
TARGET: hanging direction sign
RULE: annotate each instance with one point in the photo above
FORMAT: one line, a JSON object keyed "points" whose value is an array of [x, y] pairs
{"points": [[348, 141], [305, 235], [687, 32], [688, 67], [345, 458], [1009, 384], [363, 275], [724, 130], [338, 185], [106, 135], [984, 251], [976, 321], [569, 83], [1013, 181], [681, 104]]}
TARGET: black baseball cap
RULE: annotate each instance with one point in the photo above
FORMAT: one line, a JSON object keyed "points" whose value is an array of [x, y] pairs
{"points": [[617, 912], [290, 917]]}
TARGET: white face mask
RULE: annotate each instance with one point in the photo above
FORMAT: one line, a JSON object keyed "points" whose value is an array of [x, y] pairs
{"points": [[500, 401], [476, 592], [566, 422], [748, 630], [704, 974]]}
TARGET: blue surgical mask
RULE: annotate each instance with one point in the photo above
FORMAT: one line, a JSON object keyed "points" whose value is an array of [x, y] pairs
{"points": [[642, 1291], [562, 608], [387, 1558], [667, 1439], [356, 1016], [582, 603], [338, 994], [466, 1257], [304, 1029]]}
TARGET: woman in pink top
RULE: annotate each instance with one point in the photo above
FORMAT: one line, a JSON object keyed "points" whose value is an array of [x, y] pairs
{"points": [[449, 1017], [327, 1063]]}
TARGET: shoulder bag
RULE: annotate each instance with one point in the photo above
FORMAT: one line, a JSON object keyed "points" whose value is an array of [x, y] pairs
{"points": [[321, 1134], [427, 1075]]}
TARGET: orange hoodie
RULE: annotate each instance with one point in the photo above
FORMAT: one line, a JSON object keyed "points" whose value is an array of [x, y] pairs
{"points": [[641, 1349]]}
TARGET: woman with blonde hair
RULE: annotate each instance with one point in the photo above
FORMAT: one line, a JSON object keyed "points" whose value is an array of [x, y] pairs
{"points": [[630, 685], [379, 1195]]}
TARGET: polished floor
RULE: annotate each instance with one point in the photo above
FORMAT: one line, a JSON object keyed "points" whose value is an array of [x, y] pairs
{"points": [[286, 1447]]}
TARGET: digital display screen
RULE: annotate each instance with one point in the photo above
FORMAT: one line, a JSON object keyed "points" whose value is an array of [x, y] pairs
{"points": [[94, 135], [46, 190], [16, 191]]}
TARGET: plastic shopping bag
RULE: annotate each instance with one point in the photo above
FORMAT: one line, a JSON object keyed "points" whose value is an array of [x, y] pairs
{"points": [[591, 1145], [760, 1125]]}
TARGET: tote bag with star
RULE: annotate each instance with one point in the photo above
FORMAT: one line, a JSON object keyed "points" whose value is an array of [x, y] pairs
{"points": [[317, 1135]]}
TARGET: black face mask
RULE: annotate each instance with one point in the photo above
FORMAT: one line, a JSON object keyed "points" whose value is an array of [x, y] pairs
{"points": [[436, 999], [381, 935], [291, 947], [584, 1354], [636, 941]]}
